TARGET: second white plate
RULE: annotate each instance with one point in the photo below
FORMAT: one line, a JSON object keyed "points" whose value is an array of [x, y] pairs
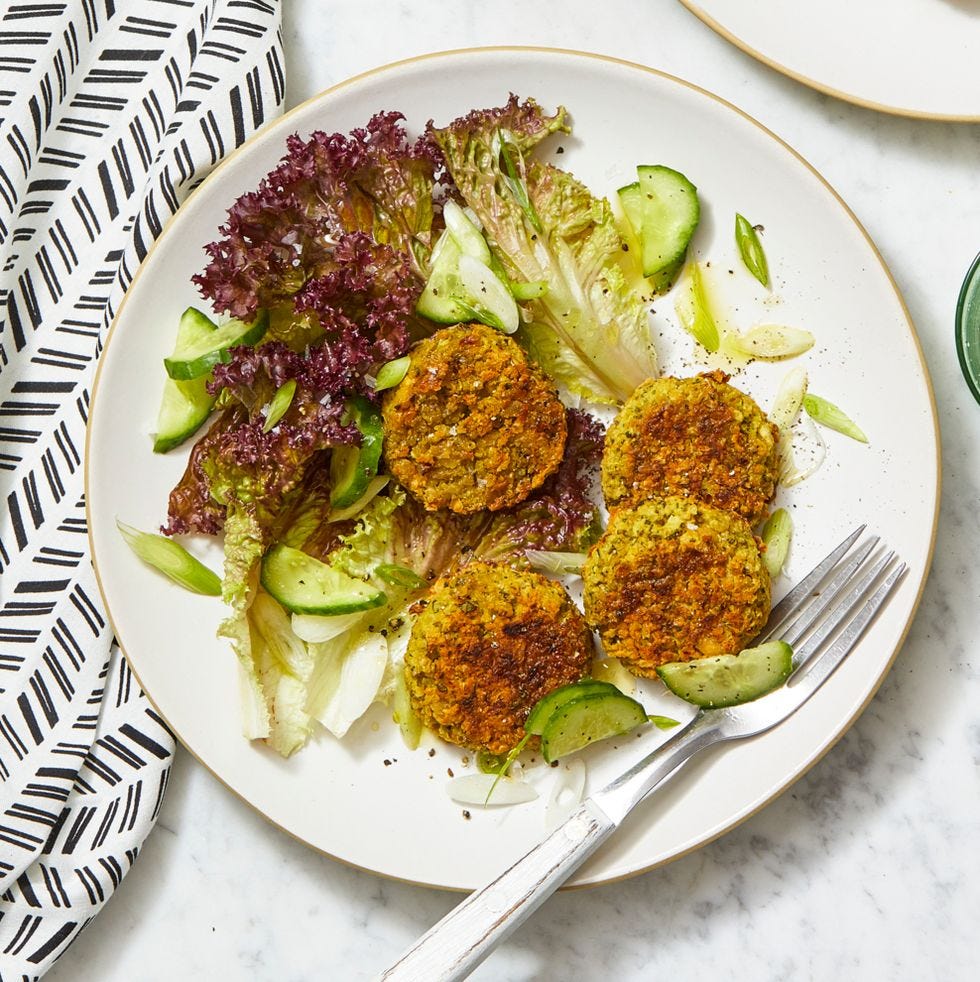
{"points": [[911, 57]]}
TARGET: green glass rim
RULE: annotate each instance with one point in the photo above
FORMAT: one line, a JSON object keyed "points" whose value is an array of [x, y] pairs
{"points": [[968, 328]]}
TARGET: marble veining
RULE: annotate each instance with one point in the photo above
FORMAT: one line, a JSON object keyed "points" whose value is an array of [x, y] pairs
{"points": [[868, 867]]}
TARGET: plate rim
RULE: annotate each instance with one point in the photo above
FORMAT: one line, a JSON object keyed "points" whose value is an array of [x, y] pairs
{"points": [[280, 122], [890, 109]]}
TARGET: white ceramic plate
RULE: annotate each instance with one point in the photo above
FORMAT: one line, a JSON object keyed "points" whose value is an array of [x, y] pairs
{"points": [[911, 57], [368, 800]]}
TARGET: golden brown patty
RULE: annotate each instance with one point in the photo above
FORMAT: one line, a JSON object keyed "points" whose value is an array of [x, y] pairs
{"points": [[694, 437], [491, 642], [674, 580], [474, 425]]}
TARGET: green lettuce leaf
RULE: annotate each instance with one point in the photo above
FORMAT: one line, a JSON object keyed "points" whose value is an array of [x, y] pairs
{"points": [[245, 541], [275, 666], [285, 666], [590, 328]]}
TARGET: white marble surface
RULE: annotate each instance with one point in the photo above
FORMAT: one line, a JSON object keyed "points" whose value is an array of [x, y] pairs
{"points": [[867, 868]]}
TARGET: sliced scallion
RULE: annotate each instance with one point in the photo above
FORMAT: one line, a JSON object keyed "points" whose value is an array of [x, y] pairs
{"points": [[489, 763], [772, 342], [404, 715], [391, 373], [171, 559], [776, 535], [279, 404], [827, 414], [695, 314], [802, 454], [750, 249], [505, 765], [398, 575], [471, 789], [789, 398], [556, 563], [529, 291], [515, 182]]}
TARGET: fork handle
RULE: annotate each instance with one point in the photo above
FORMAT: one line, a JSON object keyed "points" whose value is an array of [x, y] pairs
{"points": [[467, 934]]}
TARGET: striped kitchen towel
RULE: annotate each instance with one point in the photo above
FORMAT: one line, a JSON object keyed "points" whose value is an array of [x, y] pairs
{"points": [[111, 112]]}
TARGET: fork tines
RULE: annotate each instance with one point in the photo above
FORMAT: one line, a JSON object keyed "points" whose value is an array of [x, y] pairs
{"points": [[840, 595]]}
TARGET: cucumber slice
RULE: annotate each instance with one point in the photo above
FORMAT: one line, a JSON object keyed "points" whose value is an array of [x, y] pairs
{"points": [[439, 300], [729, 680], [184, 409], [589, 719], [468, 237], [463, 225], [670, 214], [198, 359], [546, 706], [490, 299], [353, 468], [304, 585], [461, 288], [195, 328], [185, 406], [631, 199]]}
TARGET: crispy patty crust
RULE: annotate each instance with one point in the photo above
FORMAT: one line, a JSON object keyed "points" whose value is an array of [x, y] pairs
{"points": [[491, 642], [694, 437], [474, 424], [674, 580]]}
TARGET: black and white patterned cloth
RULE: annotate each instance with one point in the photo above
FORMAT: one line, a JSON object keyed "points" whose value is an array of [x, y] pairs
{"points": [[111, 112]]}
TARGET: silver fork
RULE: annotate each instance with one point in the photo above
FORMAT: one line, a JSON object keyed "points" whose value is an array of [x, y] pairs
{"points": [[822, 617]]}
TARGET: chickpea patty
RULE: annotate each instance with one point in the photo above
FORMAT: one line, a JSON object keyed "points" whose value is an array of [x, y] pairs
{"points": [[491, 642], [474, 424], [674, 580], [694, 437]]}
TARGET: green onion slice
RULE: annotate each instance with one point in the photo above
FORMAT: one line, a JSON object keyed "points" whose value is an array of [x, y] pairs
{"points": [[171, 559], [556, 563], [391, 373], [529, 291], [776, 535], [398, 575], [489, 763], [750, 249], [514, 181], [827, 414], [695, 314], [281, 401], [505, 766], [789, 399], [403, 714], [772, 342]]}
